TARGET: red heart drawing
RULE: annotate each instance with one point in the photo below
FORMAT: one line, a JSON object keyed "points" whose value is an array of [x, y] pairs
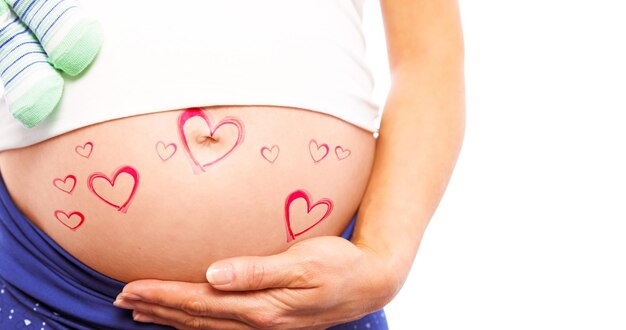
{"points": [[197, 112], [164, 151], [342, 153], [318, 151], [123, 206], [304, 195], [66, 185], [84, 150], [71, 221], [270, 154]]}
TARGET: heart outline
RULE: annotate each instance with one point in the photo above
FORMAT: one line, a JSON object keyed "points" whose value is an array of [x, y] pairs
{"points": [[70, 176], [343, 152], [82, 148], [198, 112], [165, 147], [317, 148], [68, 216], [271, 151], [124, 169], [291, 236]]}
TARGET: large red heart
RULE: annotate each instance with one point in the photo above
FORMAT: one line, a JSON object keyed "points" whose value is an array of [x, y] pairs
{"points": [[304, 195], [71, 221], [197, 112], [120, 206]]}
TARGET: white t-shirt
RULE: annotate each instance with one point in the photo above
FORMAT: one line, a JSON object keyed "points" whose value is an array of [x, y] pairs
{"points": [[167, 55]]}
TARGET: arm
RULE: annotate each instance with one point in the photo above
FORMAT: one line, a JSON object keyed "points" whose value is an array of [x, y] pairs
{"points": [[421, 129], [327, 280]]}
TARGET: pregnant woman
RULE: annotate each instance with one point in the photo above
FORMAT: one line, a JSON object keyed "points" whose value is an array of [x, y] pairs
{"points": [[205, 131]]}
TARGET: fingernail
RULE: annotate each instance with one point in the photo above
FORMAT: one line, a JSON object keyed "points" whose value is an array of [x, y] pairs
{"points": [[220, 274], [122, 304], [142, 318], [128, 296]]}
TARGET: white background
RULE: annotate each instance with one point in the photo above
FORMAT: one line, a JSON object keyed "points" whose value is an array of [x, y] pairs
{"points": [[531, 233]]}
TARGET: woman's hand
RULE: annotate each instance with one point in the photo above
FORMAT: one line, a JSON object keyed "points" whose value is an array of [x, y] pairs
{"points": [[328, 280], [316, 283]]}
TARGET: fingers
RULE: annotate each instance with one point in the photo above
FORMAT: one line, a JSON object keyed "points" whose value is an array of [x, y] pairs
{"points": [[196, 310], [150, 313], [284, 270], [201, 300], [308, 285], [193, 298]]}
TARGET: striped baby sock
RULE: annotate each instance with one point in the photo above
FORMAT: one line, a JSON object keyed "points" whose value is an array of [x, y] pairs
{"points": [[32, 86], [71, 38]]}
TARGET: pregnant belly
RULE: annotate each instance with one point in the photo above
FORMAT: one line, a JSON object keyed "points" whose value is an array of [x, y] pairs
{"points": [[164, 195]]}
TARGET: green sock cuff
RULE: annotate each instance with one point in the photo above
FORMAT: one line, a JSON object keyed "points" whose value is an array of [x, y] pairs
{"points": [[39, 102], [3, 7], [78, 49]]}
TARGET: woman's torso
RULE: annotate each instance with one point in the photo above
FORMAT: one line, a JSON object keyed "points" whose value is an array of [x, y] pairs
{"points": [[182, 215], [192, 186]]}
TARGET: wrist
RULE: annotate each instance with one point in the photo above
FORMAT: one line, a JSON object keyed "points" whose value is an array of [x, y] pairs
{"points": [[390, 252], [388, 272]]}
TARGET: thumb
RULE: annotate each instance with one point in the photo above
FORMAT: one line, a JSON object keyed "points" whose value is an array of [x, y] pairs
{"points": [[257, 273]]}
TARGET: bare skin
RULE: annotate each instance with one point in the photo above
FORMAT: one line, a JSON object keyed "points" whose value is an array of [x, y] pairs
{"points": [[182, 217], [324, 281]]}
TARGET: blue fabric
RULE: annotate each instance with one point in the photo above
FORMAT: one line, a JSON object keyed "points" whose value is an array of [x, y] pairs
{"points": [[374, 321], [40, 282], [44, 287]]}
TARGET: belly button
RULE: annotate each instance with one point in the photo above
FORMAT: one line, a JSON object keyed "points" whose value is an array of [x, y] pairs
{"points": [[205, 139]]}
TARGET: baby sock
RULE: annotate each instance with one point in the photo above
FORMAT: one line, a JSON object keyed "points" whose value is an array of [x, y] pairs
{"points": [[71, 38], [32, 86]]}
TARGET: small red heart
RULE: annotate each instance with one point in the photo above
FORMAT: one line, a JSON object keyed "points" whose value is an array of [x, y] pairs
{"points": [[164, 151], [318, 151], [100, 176], [342, 153], [270, 154], [197, 112], [304, 195], [84, 150], [72, 220], [66, 185]]}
